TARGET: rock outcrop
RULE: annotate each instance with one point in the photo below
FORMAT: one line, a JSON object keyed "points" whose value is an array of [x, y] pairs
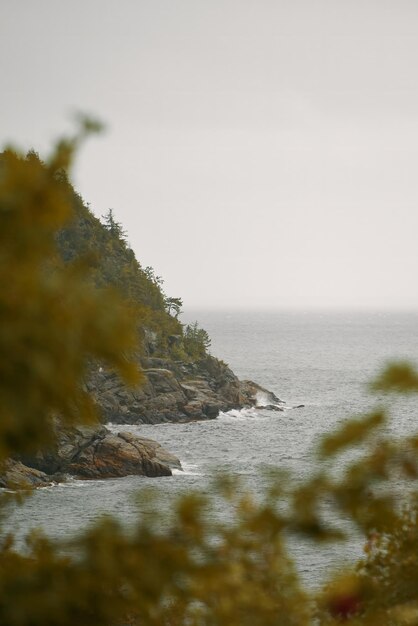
{"points": [[123, 454], [90, 453], [16, 475], [176, 392]]}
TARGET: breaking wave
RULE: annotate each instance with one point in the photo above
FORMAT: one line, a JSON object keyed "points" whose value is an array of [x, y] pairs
{"points": [[189, 469]]}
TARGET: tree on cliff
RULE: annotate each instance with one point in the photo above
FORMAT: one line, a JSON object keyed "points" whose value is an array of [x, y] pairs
{"points": [[114, 227], [196, 341], [173, 304], [191, 569]]}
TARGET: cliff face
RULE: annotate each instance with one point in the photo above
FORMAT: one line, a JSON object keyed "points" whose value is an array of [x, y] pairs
{"points": [[175, 391]]}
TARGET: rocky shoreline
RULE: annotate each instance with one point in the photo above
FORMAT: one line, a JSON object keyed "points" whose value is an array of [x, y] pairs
{"points": [[173, 392], [89, 453]]}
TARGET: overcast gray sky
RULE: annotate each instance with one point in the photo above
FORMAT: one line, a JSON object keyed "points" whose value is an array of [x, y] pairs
{"points": [[259, 153]]}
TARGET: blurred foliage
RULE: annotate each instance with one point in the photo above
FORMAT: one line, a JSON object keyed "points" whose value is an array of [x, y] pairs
{"points": [[52, 322], [352, 433], [398, 377], [192, 568]]}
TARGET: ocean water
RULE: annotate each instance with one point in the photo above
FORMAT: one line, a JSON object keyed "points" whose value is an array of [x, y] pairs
{"points": [[321, 360]]}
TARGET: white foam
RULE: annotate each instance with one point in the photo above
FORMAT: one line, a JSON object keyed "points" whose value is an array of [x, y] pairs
{"points": [[70, 481], [242, 414], [264, 398], [189, 469]]}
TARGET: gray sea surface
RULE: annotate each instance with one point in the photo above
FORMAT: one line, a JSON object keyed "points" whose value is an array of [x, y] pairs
{"points": [[321, 360]]}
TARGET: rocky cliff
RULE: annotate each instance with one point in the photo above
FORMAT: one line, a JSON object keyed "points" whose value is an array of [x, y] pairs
{"points": [[176, 391]]}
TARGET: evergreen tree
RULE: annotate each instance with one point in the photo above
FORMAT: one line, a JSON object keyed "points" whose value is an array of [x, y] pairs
{"points": [[114, 227], [173, 304]]}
